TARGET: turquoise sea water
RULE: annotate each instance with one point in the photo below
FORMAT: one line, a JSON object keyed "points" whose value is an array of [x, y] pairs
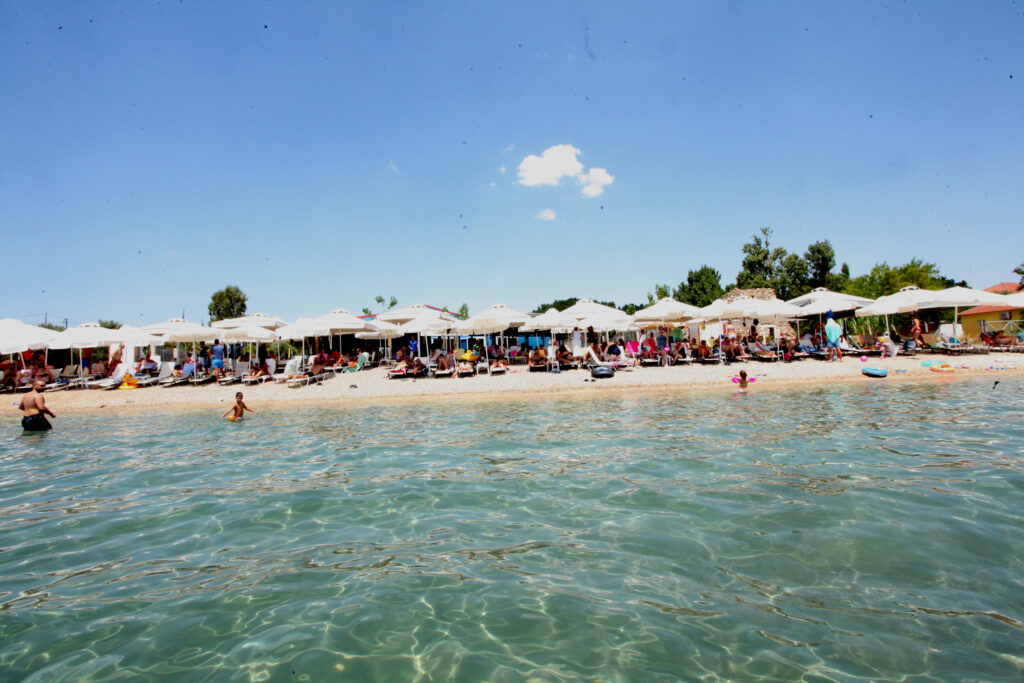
{"points": [[869, 532]]}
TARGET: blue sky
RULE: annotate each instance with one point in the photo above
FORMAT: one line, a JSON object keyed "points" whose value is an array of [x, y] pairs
{"points": [[317, 154]]}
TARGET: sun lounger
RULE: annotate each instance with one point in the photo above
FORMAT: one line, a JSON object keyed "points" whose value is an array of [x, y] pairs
{"points": [[176, 381], [241, 370], [202, 379], [166, 369], [360, 363], [592, 361], [110, 382], [64, 378], [306, 380]]}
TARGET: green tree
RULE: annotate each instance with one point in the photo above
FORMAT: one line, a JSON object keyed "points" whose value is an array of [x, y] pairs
{"points": [[464, 310], [838, 282], [821, 259], [702, 287], [557, 304], [227, 303], [51, 326], [885, 279], [1019, 270], [791, 277], [760, 261], [109, 324], [660, 292]]}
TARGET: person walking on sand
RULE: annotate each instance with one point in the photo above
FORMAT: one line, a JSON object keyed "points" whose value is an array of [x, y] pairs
{"points": [[33, 405], [217, 351], [238, 409]]}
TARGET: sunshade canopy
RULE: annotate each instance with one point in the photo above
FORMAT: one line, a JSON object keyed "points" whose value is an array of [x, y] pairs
{"points": [[749, 307], [17, 336], [821, 300], [251, 320], [667, 310], [85, 336], [958, 297], [904, 301], [181, 330], [551, 319]]}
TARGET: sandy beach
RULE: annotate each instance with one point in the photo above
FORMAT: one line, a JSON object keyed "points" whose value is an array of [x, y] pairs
{"points": [[373, 385]]}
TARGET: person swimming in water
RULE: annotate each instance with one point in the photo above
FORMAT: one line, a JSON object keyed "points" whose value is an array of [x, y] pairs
{"points": [[239, 409], [744, 382], [33, 405]]}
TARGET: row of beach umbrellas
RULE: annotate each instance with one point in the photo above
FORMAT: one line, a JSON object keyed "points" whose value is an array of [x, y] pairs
{"points": [[425, 320]]}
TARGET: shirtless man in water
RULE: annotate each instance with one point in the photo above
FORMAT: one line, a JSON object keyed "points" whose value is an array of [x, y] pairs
{"points": [[33, 405]]}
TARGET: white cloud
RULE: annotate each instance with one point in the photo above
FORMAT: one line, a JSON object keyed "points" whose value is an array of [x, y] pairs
{"points": [[394, 168], [594, 181], [546, 215], [508, 148], [502, 169], [550, 167], [494, 184], [560, 161]]}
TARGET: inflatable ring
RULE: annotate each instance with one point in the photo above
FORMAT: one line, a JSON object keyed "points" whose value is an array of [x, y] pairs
{"points": [[736, 380], [875, 372], [945, 367]]}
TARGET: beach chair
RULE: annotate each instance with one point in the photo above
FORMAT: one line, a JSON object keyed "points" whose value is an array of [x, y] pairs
{"points": [[499, 370], [290, 368], [241, 370], [768, 356], [177, 381], [166, 368], [592, 361], [361, 362], [63, 379], [112, 382], [306, 380]]}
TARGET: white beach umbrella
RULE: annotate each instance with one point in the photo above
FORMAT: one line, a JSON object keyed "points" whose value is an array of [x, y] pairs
{"points": [[957, 297], [551, 319], [1013, 300], [130, 335], [340, 321], [302, 328], [380, 329], [510, 317], [17, 336], [904, 301], [749, 307], [666, 310], [960, 297], [84, 336], [181, 330], [589, 313], [251, 320], [248, 333], [401, 316], [822, 300]]}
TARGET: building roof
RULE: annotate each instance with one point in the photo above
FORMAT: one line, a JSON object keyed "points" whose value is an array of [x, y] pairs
{"points": [[1001, 288]]}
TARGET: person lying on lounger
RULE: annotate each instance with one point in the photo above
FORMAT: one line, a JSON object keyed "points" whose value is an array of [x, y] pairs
{"points": [[564, 355], [259, 369], [538, 358]]}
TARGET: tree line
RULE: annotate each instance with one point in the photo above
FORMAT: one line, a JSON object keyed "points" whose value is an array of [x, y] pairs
{"points": [[790, 274]]}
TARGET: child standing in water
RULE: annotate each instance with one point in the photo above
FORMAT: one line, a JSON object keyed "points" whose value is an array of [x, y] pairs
{"points": [[744, 382], [239, 409]]}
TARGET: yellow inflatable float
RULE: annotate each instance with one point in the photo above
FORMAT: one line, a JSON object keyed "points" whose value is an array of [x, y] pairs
{"points": [[945, 367]]}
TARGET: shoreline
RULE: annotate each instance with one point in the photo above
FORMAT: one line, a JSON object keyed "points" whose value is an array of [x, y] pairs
{"points": [[372, 387]]}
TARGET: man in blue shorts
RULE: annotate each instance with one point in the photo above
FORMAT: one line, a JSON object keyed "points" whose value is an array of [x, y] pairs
{"points": [[832, 333], [217, 350]]}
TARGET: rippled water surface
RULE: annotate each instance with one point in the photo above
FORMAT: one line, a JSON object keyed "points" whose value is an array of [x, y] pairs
{"points": [[852, 533]]}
